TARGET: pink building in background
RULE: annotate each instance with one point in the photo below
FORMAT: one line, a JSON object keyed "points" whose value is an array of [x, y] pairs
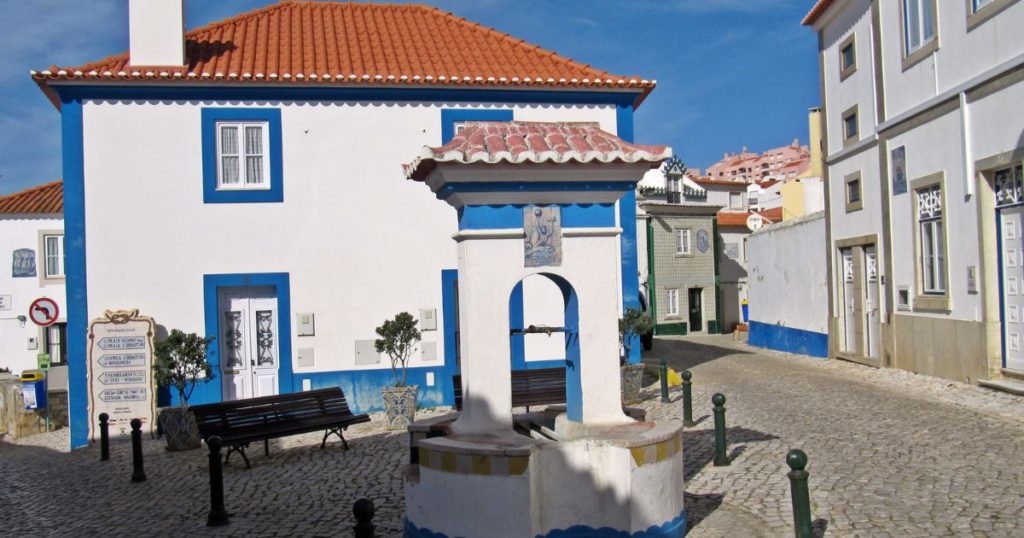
{"points": [[779, 163]]}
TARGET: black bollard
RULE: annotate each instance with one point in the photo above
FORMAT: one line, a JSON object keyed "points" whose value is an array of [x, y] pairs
{"points": [[797, 461], [104, 437], [687, 400], [363, 511], [719, 410], [138, 473], [664, 381], [218, 515]]}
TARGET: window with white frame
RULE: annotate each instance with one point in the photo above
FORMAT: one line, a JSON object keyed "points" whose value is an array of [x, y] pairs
{"points": [[53, 245], [672, 184], [242, 149], [918, 24], [735, 200], [683, 241], [673, 303], [932, 240]]}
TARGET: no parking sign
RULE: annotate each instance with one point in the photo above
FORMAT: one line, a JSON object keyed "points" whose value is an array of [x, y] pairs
{"points": [[43, 312]]}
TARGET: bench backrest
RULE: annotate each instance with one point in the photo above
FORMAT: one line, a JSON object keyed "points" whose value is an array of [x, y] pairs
{"points": [[216, 418], [543, 386]]}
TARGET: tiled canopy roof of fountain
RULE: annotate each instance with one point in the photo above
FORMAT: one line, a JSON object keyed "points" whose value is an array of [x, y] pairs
{"points": [[517, 142]]}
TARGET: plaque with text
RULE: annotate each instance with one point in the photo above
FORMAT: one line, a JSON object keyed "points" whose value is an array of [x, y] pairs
{"points": [[121, 371]]}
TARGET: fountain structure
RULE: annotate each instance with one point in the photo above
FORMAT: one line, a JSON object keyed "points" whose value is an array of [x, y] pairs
{"points": [[540, 198]]}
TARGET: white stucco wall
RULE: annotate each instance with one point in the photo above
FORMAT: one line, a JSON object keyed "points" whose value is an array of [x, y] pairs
{"points": [[787, 280], [359, 241], [17, 233], [858, 88]]}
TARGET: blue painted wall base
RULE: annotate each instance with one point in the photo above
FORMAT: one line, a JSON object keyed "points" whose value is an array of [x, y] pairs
{"points": [[362, 387], [676, 528], [788, 339]]}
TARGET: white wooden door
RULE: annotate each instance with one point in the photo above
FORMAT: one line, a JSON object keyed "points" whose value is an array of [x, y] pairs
{"points": [[248, 342], [871, 303], [849, 301], [1013, 280]]}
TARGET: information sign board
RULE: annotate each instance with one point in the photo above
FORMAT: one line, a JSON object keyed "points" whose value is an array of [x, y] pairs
{"points": [[121, 371]]}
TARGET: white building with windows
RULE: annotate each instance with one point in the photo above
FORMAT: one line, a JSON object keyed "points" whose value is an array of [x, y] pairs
{"points": [[32, 250], [924, 108], [279, 218]]}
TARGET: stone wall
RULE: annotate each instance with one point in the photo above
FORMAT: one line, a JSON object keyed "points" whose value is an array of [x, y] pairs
{"points": [[15, 421]]}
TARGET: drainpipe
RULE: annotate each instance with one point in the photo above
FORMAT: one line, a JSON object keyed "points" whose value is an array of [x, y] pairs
{"points": [[652, 287], [965, 140]]}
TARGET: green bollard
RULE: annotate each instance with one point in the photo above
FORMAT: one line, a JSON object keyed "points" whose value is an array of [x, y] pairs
{"points": [[721, 459], [687, 400], [797, 461], [664, 381]]}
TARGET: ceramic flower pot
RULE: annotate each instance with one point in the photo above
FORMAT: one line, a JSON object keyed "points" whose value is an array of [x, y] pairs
{"points": [[632, 381], [180, 429], [400, 405]]}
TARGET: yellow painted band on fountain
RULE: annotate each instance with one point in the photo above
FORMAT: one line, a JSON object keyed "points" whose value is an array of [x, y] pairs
{"points": [[477, 464], [648, 454]]}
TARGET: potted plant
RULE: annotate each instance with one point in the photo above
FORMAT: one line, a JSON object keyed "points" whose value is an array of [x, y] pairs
{"points": [[180, 362], [398, 339], [633, 324]]}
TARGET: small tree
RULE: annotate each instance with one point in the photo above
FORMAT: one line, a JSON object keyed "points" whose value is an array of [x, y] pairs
{"points": [[398, 339], [181, 362], [634, 323]]}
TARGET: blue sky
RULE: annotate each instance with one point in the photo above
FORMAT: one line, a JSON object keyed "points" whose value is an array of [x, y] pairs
{"points": [[730, 73]]}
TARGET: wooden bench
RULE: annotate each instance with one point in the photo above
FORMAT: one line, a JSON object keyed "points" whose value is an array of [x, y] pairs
{"points": [[543, 386], [240, 422]]}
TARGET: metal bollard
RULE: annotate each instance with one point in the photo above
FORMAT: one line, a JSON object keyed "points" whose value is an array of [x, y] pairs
{"points": [[138, 473], [687, 400], [363, 511], [719, 410], [797, 461], [664, 381], [104, 437], [218, 515]]}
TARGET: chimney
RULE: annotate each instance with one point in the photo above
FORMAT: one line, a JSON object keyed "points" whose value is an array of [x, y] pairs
{"points": [[156, 32]]}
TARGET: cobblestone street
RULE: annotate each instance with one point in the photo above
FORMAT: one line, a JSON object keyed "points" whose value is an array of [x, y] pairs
{"points": [[891, 454]]}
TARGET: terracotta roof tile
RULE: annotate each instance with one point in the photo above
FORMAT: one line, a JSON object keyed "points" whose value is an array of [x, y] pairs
{"points": [[816, 11], [41, 199], [739, 218], [536, 142], [356, 44]]}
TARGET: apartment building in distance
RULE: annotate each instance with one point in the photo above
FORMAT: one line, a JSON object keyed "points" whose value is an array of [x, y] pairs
{"points": [[924, 108], [774, 164]]}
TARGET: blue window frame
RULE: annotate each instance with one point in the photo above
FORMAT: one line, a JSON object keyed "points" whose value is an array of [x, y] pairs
{"points": [[272, 172], [450, 116]]}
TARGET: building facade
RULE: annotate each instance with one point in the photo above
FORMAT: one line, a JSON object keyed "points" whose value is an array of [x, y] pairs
{"points": [[280, 219], [682, 284], [750, 167], [924, 108], [32, 243]]}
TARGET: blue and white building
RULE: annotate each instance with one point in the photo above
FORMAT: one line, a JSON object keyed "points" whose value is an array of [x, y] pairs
{"points": [[244, 180]]}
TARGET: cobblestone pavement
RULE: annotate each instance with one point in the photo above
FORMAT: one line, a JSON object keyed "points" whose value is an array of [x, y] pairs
{"points": [[891, 454]]}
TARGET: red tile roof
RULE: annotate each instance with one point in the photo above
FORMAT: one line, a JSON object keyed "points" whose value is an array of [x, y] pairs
{"points": [[535, 142], [41, 199], [739, 218], [320, 43], [816, 11], [705, 180]]}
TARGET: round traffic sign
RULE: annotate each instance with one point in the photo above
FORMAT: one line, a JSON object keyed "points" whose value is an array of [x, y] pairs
{"points": [[44, 312]]}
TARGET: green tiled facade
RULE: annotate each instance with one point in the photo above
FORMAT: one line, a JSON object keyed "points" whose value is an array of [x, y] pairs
{"points": [[683, 272]]}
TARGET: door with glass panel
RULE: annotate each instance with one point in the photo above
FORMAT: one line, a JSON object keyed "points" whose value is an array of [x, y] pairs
{"points": [[248, 342], [1009, 200], [872, 326], [851, 312]]}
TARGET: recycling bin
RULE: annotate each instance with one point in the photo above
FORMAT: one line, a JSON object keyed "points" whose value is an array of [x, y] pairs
{"points": [[33, 389], [746, 311]]}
